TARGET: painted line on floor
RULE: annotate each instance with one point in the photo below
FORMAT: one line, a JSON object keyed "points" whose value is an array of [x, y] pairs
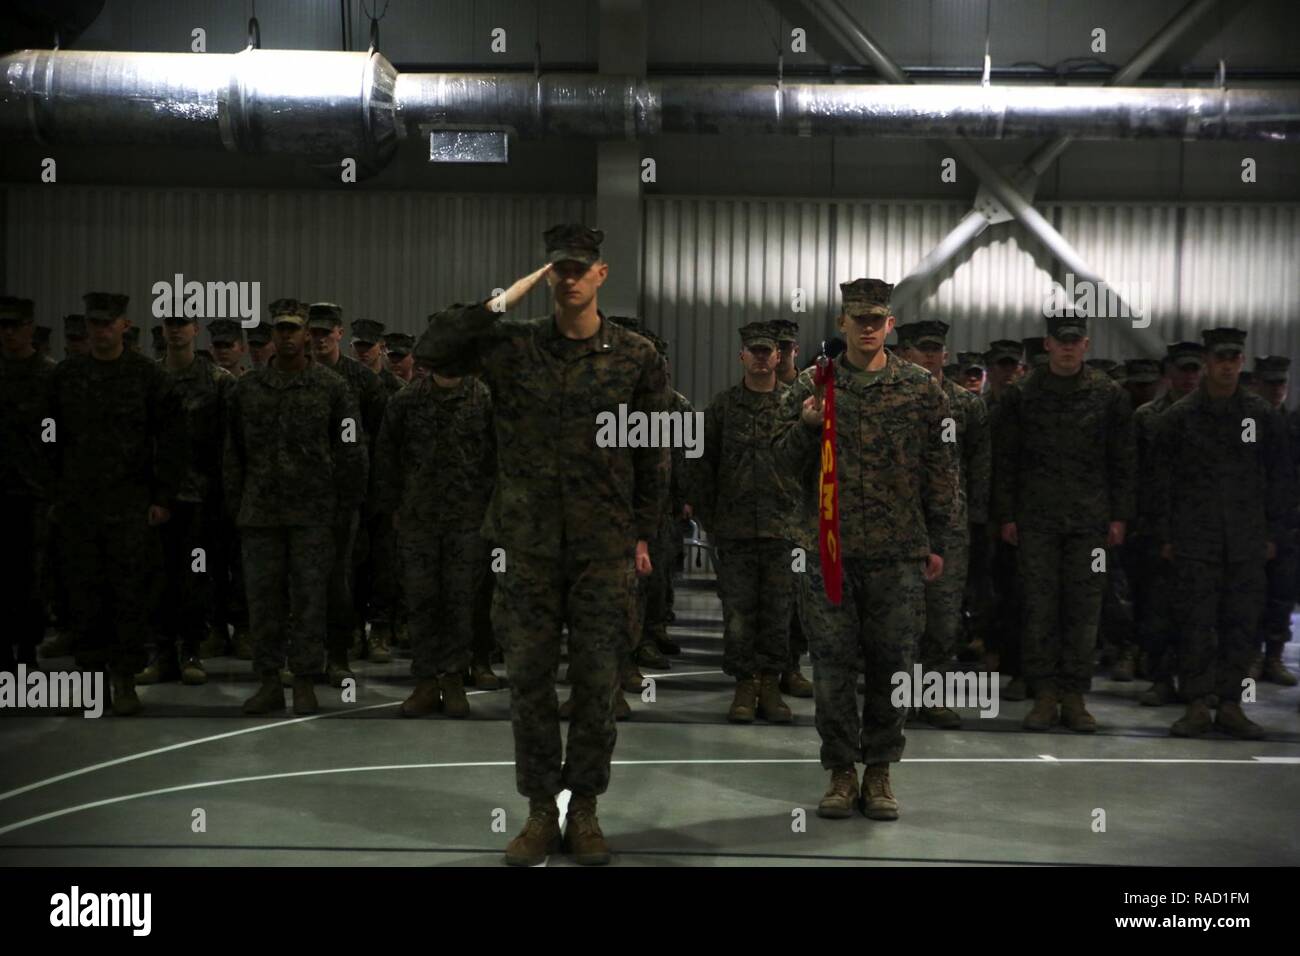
{"points": [[118, 761], [163, 791]]}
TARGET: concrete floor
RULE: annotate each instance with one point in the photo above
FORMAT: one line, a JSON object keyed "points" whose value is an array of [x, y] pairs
{"points": [[356, 785]]}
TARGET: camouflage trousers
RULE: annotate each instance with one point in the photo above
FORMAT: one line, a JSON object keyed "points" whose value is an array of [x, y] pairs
{"points": [[375, 574], [1063, 598], [1216, 607], [943, 602], [874, 632], [19, 591], [225, 562], [182, 612], [652, 590], [340, 613], [111, 566], [535, 598], [1116, 628], [1275, 621], [1006, 614], [287, 572], [756, 584], [443, 577], [1150, 582]]}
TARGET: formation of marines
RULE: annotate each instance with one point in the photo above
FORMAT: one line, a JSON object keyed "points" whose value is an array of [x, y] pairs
{"points": [[274, 495]]}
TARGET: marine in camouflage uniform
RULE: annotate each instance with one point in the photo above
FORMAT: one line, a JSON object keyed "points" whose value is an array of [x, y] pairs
{"points": [[1272, 374], [1222, 497], [924, 343], [1064, 486], [993, 579], [897, 494], [293, 464], [375, 576], [182, 614], [575, 517], [435, 463], [746, 501], [1150, 576], [119, 460], [229, 608], [351, 541], [787, 371], [24, 480]]}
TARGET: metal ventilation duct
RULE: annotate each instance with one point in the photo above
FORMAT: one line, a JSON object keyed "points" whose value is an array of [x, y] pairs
{"points": [[324, 106]]}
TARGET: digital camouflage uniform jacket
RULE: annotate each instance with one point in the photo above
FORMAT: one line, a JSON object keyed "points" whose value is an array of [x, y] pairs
{"points": [[436, 457], [286, 462], [557, 491], [24, 405], [975, 453], [897, 476], [204, 388], [1064, 454]]}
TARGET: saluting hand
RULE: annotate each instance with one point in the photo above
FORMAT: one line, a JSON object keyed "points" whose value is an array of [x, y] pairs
{"points": [[520, 288]]}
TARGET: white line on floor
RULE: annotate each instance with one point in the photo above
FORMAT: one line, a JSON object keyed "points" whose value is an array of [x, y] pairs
{"points": [[55, 814]]}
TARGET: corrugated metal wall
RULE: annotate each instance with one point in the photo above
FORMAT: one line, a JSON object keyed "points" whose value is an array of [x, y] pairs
{"points": [[711, 265], [388, 256], [714, 264]]}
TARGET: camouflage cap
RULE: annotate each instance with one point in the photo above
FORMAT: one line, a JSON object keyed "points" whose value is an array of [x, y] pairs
{"points": [[225, 330], [970, 361], [259, 334], [1003, 349], [1142, 371], [785, 330], [573, 242], [951, 370], [158, 340], [74, 326], [757, 335], [286, 310], [14, 309], [1224, 341], [324, 315], [1185, 354], [905, 332], [105, 305], [1101, 364], [931, 332], [1272, 369], [865, 297], [1066, 327], [367, 331], [400, 344], [1035, 351], [42, 335]]}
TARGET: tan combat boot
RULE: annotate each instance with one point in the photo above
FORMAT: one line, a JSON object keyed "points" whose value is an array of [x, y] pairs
{"points": [[1274, 670], [1125, 666], [454, 702], [878, 801], [770, 705], [582, 837], [125, 702], [944, 718], [1161, 692], [631, 679], [243, 643], [841, 797], [540, 836], [484, 677], [337, 669], [304, 696], [745, 703], [424, 700], [192, 671], [1045, 712], [1075, 715], [269, 698], [795, 684], [1232, 721], [1195, 722], [380, 651], [214, 645]]}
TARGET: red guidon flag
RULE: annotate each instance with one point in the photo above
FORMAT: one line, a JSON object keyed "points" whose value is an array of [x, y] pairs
{"points": [[828, 495]]}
